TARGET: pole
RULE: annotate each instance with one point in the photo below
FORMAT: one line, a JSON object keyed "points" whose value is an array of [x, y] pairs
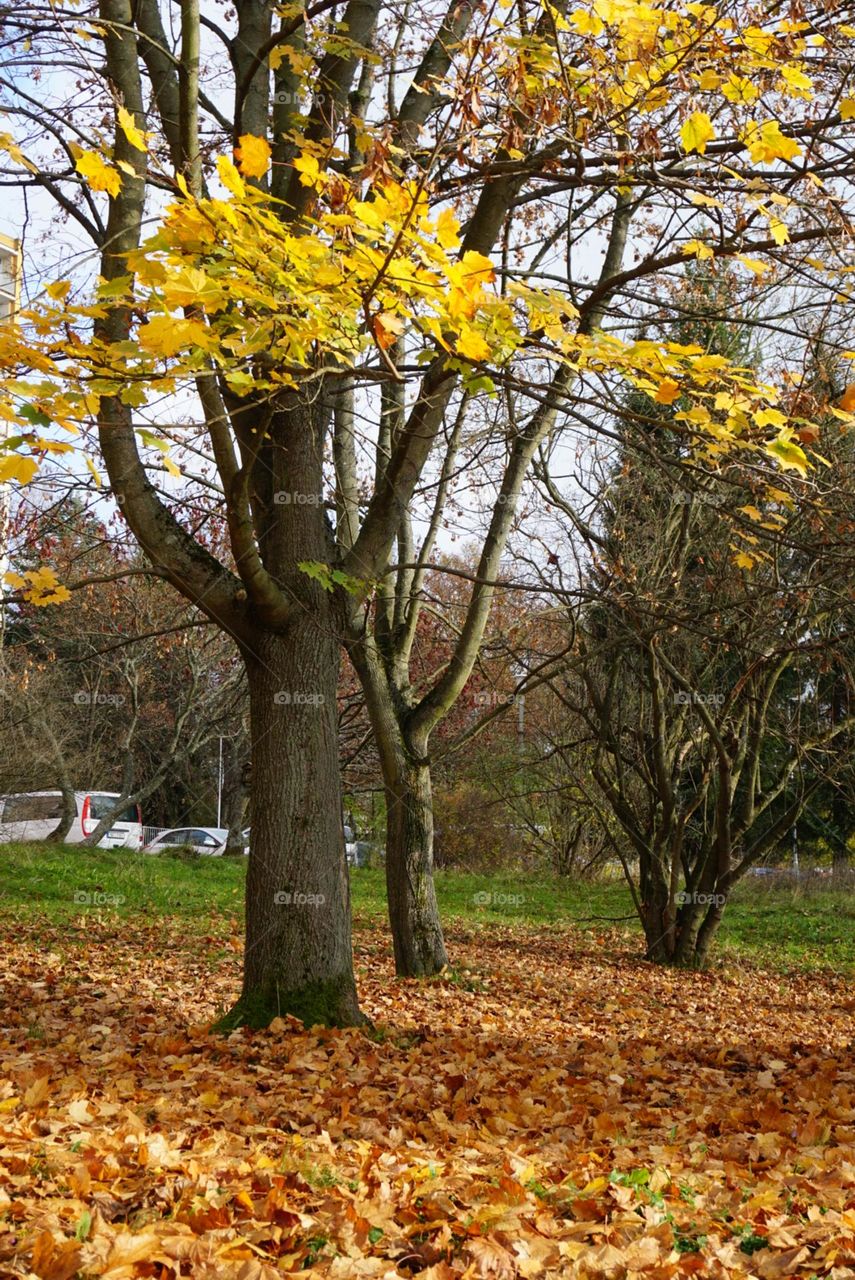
{"points": [[220, 784]]}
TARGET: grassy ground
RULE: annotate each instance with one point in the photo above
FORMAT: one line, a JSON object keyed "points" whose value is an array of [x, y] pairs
{"points": [[776, 925]]}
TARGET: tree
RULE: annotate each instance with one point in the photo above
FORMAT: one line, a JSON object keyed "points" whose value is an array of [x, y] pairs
{"points": [[116, 686], [697, 731], [351, 258]]}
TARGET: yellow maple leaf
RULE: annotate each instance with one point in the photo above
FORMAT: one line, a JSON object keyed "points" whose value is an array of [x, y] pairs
{"points": [[230, 177], [743, 560], [99, 176], [167, 335], [309, 170], [447, 229], [15, 466], [779, 231], [585, 22], [788, 455], [253, 155], [668, 391], [135, 136], [58, 289], [699, 249], [696, 132], [766, 143], [796, 83], [472, 346], [753, 264], [847, 108], [39, 586]]}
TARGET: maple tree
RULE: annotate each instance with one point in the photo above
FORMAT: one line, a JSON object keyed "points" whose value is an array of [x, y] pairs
{"points": [[327, 252]]}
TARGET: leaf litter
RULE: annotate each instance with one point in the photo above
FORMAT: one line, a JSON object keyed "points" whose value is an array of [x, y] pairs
{"points": [[552, 1107]]}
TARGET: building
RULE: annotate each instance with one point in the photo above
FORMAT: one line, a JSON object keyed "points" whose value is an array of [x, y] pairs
{"points": [[10, 296]]}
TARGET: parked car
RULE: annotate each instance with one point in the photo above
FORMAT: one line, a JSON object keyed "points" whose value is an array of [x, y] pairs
{"points": [[35, 815], [209, 841]]}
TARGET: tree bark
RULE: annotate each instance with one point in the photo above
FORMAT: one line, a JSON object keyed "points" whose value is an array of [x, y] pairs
{"points": [[413, 910], [298, 952], [417, 938]]}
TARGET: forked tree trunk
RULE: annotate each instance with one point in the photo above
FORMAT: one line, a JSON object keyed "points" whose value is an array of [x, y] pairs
{"points": [[298, 946], [417, 939], [680, 932], [413, 910]]}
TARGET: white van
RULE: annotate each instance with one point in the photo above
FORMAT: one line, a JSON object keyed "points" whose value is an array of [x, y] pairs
{"points": [[35, 815]]}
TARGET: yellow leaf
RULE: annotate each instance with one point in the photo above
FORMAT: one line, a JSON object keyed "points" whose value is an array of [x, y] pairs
{"points": [[477, 267], [100, 176], [779, 231], [698, 248], [167, 335], [796, 82], [308, 168], [93, 469], [668, 391], [586, 23], [58, 290], [253, 156], [753, 264], [17, 467], [9, 1104], [707, 202], [43, 588], [696, 132], [770, 418], [847, 108], [766, 143], [788, 455], [447, 229], [230, 177], [752, 512], [134, 135], [743, 560], [171, 467], [472, 346]]}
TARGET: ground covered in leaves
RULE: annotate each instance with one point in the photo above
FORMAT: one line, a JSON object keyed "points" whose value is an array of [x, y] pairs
{"points": [[552, 1107]]}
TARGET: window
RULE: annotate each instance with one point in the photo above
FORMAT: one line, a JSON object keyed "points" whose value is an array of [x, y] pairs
{"points": [[100, 806], [32, 808]]}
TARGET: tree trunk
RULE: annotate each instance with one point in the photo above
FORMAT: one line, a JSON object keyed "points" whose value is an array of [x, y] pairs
{"points": [[417, 939], [298, 948], [413, 909]]}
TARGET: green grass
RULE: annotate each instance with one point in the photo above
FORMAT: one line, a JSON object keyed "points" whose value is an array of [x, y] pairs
{"points": [[777, 925]]}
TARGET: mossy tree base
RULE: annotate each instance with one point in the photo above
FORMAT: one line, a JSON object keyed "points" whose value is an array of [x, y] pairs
{"points": [[325, 1004]]}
